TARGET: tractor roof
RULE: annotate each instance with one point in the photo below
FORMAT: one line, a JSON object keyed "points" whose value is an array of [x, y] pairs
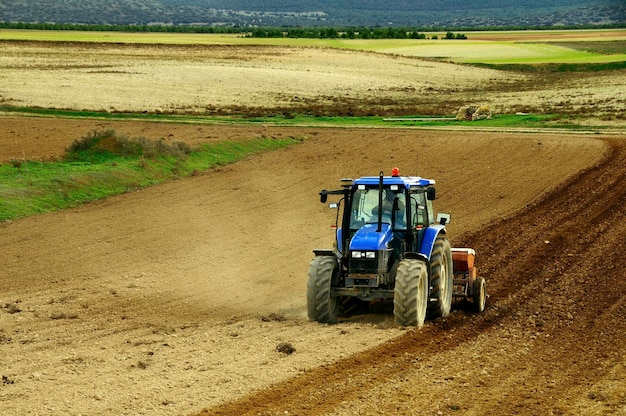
{"points": [[406, 181]]}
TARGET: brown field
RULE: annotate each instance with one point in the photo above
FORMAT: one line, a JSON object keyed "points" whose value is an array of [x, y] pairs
{"points": [[173, 299]]}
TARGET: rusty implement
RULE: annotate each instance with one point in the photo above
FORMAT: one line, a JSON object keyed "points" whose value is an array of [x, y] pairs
{"points": [[467, 284]]}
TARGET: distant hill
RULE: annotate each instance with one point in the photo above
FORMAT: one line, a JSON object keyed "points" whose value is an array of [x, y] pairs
{"points": [[335, 13]]}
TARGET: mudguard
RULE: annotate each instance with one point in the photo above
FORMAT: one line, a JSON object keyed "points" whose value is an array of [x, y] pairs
{"points": [[430, 235]]}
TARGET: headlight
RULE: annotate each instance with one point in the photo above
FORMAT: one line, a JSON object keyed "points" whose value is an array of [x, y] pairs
{"points": [[363, 254]]}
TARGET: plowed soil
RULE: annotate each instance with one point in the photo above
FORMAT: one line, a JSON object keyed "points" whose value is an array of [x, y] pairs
{"points": [[189, 297]]}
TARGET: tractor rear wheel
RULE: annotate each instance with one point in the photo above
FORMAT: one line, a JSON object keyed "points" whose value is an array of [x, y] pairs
{"points": [[321, 307], [441, 279], [410, 297], [479, 294]]}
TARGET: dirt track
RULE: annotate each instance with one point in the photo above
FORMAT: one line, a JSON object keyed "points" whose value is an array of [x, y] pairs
{"points": [[552, 341], [173, 299]]}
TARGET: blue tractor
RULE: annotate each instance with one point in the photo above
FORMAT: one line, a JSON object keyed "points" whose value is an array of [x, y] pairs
{"points": [[389, 245]]}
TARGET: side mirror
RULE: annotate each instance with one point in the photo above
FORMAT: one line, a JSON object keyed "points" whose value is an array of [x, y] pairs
{"points": [[443, 218], [431, 194], [323, 196]]}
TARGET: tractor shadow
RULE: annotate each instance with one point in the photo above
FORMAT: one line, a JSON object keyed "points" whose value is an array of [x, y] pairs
{"points": [[380, 312]]}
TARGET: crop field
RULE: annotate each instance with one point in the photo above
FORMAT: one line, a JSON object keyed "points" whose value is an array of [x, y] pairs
{"points": [[497, 47], [188, 297], [255, 79], [506, 52]]}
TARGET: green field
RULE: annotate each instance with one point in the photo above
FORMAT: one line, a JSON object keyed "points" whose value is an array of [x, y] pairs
{"points": [[532, 47], [502, 52]]}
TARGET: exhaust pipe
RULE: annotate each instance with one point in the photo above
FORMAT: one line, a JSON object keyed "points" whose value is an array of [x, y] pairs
{"points": [[380, 203]]}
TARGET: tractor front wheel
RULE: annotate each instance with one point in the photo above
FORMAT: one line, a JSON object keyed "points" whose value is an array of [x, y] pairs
{"points": [[410, 298], [321, 307]]}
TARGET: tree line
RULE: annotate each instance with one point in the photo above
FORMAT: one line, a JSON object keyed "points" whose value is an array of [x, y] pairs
{"points": [[289, 32], [121, 28], [349, 33], [259, 32]]}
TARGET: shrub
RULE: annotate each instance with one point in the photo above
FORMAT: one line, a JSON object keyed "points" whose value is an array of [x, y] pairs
{"points": [[109, 142], [473, 112], [16, 163]]}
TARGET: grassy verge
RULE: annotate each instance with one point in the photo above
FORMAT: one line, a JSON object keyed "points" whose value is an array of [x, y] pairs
{"points": [[519, 121], [104, 164], [276, 117]]}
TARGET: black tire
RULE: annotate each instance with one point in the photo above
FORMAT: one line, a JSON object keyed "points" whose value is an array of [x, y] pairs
{"points": [[321, 307], [441, 279], [479, 294], [410, 296]]}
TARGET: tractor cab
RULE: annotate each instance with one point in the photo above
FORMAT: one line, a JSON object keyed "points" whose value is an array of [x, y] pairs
{"points": [[383, 212]]}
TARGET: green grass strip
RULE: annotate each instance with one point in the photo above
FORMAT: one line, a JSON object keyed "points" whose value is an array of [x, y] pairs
{"points": [[556, 67], [296, 119], [30, 187], [565, 122]]}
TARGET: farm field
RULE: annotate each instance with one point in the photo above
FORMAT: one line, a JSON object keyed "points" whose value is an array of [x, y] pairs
{"points": [[503, 52], [174, 299], [276, 80], [480, 47]]}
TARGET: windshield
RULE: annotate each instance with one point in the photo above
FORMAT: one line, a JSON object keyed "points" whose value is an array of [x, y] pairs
{"points": [[365, 207]]}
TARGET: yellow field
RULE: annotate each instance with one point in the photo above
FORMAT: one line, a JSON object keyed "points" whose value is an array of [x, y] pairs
{"points": [[217, 74]]}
